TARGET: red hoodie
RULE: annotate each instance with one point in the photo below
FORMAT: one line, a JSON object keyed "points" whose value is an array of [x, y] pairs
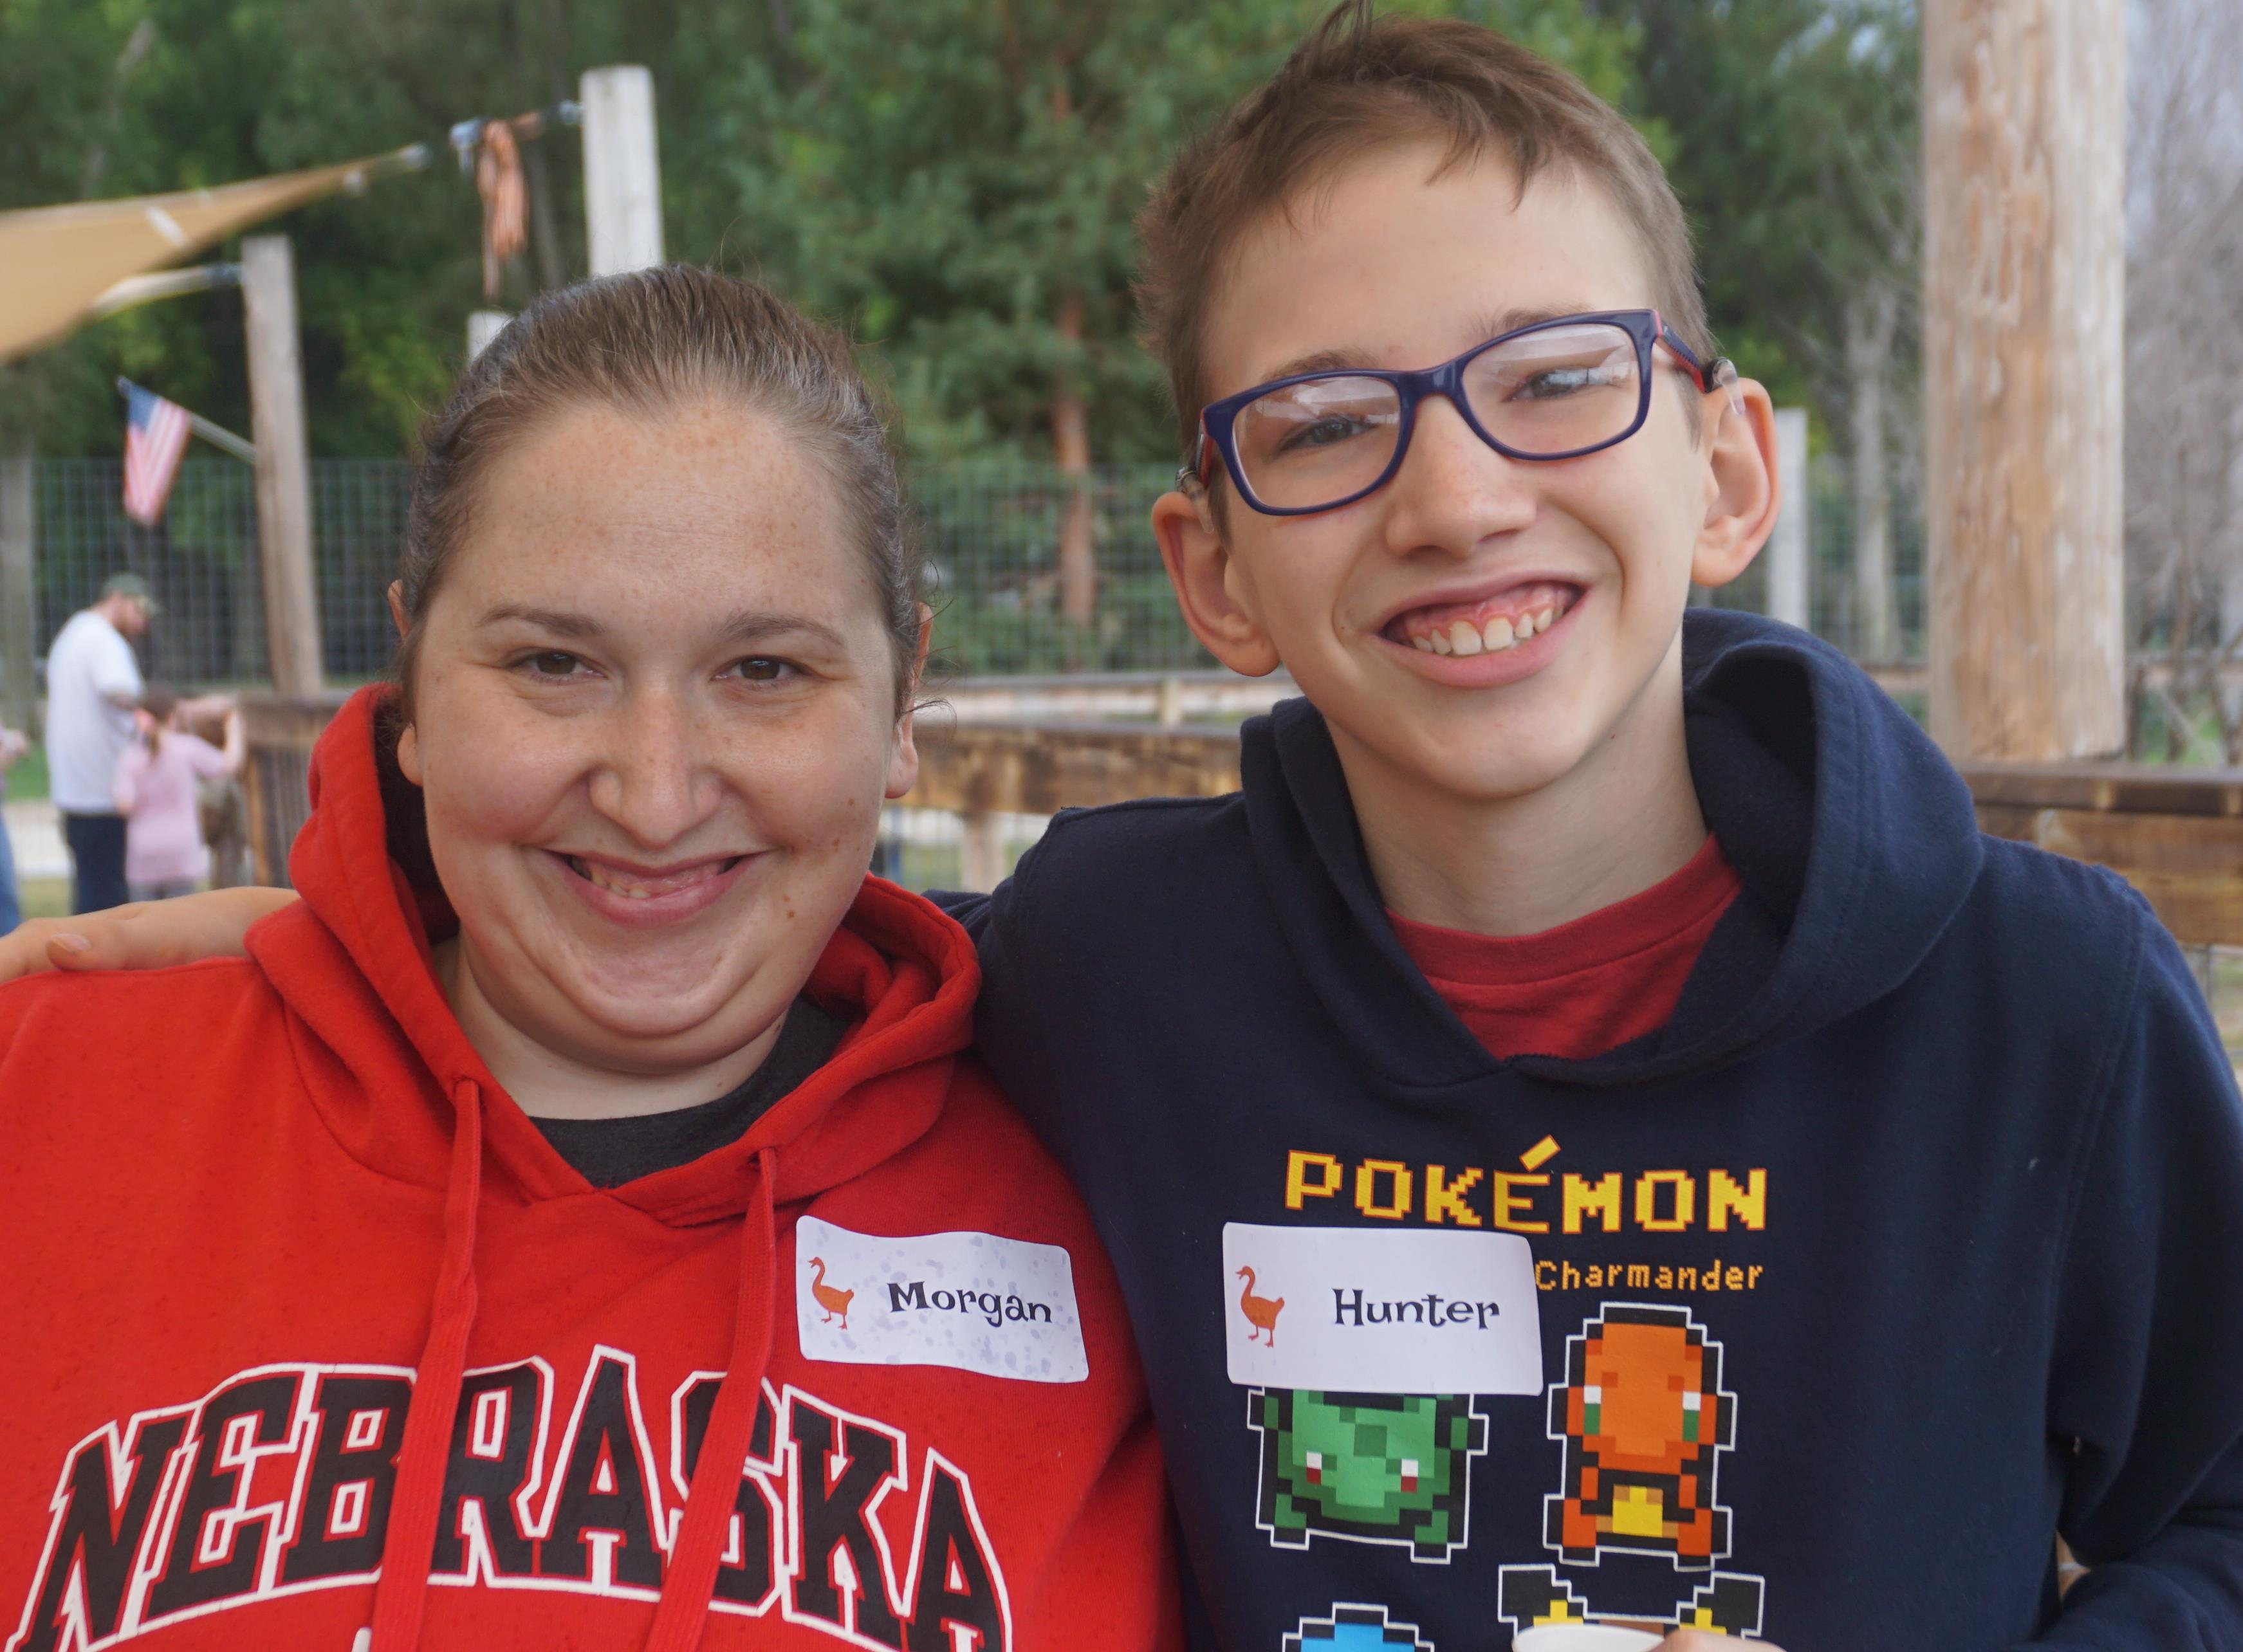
{"points": [[317, 1343]]}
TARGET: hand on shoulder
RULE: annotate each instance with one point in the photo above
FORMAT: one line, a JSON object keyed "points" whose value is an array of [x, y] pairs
{"points": [[151, 935]]}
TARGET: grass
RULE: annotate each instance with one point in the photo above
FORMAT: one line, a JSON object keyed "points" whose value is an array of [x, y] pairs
{"points": [[44, 897], [28, 778]]}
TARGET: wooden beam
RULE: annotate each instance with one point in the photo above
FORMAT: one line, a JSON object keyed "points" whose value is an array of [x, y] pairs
{"points": [[19, 621], [2025, 106], [1022, 768], [284, 476], [1786, 552], [622, 169]]}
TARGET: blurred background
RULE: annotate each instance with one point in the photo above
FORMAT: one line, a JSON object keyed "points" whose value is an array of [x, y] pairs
{"points": [[954, 181]]}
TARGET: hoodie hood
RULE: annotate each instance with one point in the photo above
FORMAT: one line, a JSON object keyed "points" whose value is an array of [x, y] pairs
{"points": [[1854, 839], [405, 1091], [900, 970]]}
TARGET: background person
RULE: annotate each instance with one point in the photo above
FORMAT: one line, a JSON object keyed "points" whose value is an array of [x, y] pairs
{"points": [[154, 788], [93, 686], [14, 747]]}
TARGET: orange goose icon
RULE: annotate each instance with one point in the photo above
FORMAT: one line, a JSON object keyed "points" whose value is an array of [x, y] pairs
{"points": [[1261, 1311], [832, 1301]]}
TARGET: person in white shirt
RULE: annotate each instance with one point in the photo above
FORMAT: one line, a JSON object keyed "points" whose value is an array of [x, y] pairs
{"points": [[93, 686]]}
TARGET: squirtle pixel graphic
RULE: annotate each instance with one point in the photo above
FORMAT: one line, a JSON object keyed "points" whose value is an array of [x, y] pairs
{"points": [[831, 1300], [1261, 1311]]}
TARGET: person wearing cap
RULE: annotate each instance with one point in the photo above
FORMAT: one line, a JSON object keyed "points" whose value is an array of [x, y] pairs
{"points": [[93, 687]]}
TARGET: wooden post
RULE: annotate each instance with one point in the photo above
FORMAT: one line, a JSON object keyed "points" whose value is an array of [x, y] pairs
{"points": [[19, 618], [483, 326], [2025, 108], [981, 851], [622, 169], [283, 478], [1787, 546]]}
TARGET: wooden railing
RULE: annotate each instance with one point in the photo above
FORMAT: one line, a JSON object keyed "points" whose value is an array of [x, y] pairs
{"points": [[2175, 834]]}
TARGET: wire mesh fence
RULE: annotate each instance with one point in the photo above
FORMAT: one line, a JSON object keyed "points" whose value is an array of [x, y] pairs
{"points": [[989, 533]]}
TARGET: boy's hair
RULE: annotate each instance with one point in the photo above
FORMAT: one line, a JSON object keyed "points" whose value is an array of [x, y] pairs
{"points": [[1361, 83]]}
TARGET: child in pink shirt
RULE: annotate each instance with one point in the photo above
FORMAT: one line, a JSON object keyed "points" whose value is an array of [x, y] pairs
{"points": [[165, 854]]}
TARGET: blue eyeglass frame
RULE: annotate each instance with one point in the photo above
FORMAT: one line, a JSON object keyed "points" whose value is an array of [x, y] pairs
{"points": [[1218, 419]]}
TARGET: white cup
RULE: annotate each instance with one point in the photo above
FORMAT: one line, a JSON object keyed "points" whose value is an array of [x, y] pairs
{"points": [[1583, 1637]]}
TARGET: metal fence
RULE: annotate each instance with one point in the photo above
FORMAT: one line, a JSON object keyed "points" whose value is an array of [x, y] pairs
{"points": [[990, 533]]}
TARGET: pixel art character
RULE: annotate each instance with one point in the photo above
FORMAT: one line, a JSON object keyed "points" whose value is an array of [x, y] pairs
{"points": [[1642, 1416], [1370, 1468]]}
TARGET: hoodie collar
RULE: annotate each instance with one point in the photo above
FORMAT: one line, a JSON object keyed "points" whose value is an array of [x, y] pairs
{"points": [[1854, 839], [351, 959]]}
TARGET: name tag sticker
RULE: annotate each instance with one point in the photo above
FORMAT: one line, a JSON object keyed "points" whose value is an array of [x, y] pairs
{"points": [[1366, 1310], [973, 1301]]}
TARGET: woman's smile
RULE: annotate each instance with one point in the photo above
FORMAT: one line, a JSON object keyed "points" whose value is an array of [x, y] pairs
{"points": [[627, 892]]}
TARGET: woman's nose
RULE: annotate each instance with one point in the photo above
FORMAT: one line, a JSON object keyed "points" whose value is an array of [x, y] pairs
{"points": [[655, 780], [1453, 491]]}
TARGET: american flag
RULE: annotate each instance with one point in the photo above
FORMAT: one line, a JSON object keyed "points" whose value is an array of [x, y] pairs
{"points": [[155, 440]]}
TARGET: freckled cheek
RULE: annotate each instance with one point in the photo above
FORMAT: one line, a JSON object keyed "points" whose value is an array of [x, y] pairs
{"points": [[499, 791]]}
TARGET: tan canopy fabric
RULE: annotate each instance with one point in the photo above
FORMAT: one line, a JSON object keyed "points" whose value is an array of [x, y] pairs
{"points": [[56, 262]]}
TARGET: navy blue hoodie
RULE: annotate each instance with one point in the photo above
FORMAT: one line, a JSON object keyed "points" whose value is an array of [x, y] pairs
{"points": [[1915, 1238]]}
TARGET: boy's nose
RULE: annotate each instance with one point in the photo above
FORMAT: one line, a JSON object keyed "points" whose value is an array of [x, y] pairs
{"points": [[1453, 490]]}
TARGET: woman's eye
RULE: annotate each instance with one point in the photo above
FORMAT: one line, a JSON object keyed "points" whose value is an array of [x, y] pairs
{"points": [[761, 668], [551, 662]]}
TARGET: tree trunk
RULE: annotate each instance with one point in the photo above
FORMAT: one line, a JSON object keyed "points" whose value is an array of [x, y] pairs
{"points": [[1872, 320], [1078, 560], [2024, 110], [1078, 556]]}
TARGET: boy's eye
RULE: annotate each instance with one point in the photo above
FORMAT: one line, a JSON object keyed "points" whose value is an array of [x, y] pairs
{"points": [[1554, 382], [1326, 431]]}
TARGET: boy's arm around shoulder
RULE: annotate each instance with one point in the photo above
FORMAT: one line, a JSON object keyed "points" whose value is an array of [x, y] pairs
{"points": [[2146, 1386]]}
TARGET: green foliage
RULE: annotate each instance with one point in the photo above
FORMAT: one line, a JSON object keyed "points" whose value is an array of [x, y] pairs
{"points": [[948, 178]]}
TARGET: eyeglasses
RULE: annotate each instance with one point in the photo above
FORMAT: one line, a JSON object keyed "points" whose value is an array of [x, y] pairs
{"points": [[1555, 390]]}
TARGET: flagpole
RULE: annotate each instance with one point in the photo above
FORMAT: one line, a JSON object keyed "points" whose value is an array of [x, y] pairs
{"points": [[216, 435]]}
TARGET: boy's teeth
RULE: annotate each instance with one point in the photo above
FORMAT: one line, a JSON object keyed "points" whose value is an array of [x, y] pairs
{"points": [[1465, 639], [1499, 632], [1466, 635]]}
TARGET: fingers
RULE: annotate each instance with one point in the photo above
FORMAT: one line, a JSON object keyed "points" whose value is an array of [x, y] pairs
{"points": [[46, 944]]}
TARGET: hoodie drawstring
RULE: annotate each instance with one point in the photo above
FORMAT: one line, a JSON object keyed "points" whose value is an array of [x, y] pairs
{"points": [[409, 1548], [715, 1486]]}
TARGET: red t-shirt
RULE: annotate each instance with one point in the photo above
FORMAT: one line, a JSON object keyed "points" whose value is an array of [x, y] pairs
{"points": [[1585, 987]]}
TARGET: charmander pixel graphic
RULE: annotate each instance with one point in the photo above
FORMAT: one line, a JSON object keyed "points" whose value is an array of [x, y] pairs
{"points": [[1643, 1418], [1641, 1414]]}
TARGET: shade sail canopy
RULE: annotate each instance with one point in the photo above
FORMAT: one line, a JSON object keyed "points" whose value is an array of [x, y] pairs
{"points": [[56, 262]]}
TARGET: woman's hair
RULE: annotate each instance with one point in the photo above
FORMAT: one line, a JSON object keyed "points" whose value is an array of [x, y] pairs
{"points": [[159, 701], [646, 343]]}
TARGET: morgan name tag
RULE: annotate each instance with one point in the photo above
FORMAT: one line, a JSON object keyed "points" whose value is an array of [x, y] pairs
{"points": [[973, 1301], [1366, 1310]]}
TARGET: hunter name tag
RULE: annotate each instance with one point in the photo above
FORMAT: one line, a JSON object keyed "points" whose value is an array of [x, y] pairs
{"points": [[972, 1301], [1365, 1311]]}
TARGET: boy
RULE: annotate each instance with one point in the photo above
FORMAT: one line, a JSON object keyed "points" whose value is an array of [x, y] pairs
{"points": [[1592, 1134]]}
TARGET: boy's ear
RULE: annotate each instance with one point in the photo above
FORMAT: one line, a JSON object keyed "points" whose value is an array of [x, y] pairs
{"points": [[1200, 569], [1746, 495]]}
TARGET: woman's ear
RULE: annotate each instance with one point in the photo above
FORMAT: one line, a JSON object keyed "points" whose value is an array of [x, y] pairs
{"points": [[1746, 496], [397, 608], [903, 753], [409, 739], [1201, 570]]}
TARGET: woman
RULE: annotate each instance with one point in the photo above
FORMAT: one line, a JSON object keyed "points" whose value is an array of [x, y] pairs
{"points": [[577, 1223]]}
